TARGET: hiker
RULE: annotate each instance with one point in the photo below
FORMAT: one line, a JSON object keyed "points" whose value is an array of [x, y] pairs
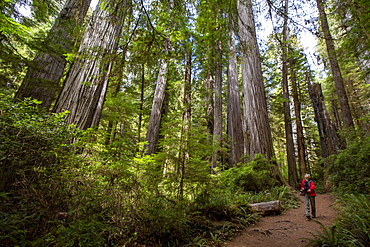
{"points": [[308, 191]]}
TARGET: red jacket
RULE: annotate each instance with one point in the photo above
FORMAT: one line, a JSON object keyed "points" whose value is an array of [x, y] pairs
{"points": [[312, 187]]}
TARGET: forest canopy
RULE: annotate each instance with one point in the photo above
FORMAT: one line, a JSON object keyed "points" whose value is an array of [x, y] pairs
{"points": [[156, 123]]}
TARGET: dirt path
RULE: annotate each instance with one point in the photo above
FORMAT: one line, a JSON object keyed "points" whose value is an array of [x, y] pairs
{"points": [[287, 229]]}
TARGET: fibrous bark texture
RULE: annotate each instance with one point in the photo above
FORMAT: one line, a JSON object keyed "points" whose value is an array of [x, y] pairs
{"points": [[157, 107], [234, 116], [329, 140], [86, 84], [290, 151], [255, 105], [42, 80], [217, 117], [301, 147]]}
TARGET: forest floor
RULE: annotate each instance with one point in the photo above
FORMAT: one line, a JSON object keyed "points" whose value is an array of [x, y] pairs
{"points": [[288, 228]]}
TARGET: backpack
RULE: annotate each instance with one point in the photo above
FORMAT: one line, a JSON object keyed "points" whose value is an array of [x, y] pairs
{"points": [[303, 192]]}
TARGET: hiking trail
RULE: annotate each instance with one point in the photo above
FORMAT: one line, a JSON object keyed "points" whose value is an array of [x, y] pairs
{"points": [[288, 228]]}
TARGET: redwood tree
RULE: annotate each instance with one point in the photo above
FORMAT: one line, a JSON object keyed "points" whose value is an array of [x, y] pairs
{"points": [[42, 80], [254, 100], [335, 69], [84, 89], [329, 140], [234, 116], [217, 116], [301, 149], [290, 151]]}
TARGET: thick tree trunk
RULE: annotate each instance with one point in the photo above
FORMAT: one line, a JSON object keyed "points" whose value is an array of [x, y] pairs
{"points": [[290, 152], [208, 99], [335, 113], [234, 116], [255, 105], [152, 134], [217, 127], [329, 139], [86, 84], [298, 121], [337, 75], [42, 80]]}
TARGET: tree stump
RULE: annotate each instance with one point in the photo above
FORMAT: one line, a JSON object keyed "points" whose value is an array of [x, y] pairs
{"points": [[266, 208]]}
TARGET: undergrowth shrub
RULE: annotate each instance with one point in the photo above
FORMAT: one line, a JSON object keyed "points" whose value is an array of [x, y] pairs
{"points": [[349, 171], [354, 219], [329, 236], [30, 138], [31, 142], [253, 176]]}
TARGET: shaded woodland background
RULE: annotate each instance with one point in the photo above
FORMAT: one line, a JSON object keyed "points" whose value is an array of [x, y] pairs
{"points": [[156, 123]]}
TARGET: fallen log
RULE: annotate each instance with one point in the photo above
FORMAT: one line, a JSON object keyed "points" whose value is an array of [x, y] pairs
{"points": [[266, 208]]}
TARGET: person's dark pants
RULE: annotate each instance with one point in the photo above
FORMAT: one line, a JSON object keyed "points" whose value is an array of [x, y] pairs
{"points": [[309, 202]]}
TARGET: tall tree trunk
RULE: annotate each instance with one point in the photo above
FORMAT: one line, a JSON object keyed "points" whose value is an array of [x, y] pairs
{"points": [[255, 105], [141, 102], [290, 152], [42, 80], [329, 140], [234, 115], [152, 134], [184, 154], [86, 84], [187, 93], [298, 121], [335, 113], [337, 75], [208, 99], [217, 127], [118, 77], [254, 98]]}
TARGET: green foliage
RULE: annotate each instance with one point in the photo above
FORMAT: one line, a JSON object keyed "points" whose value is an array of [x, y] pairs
{"points": [[354, 219], [30, 138], [352, 19], [219, 213], [32, 142], [300, 72], [88, 193], [187, 170], [12, 34], [82, 232], [253, 176], [18, 38], [352, 227], [329, 237], [349, 171]]}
